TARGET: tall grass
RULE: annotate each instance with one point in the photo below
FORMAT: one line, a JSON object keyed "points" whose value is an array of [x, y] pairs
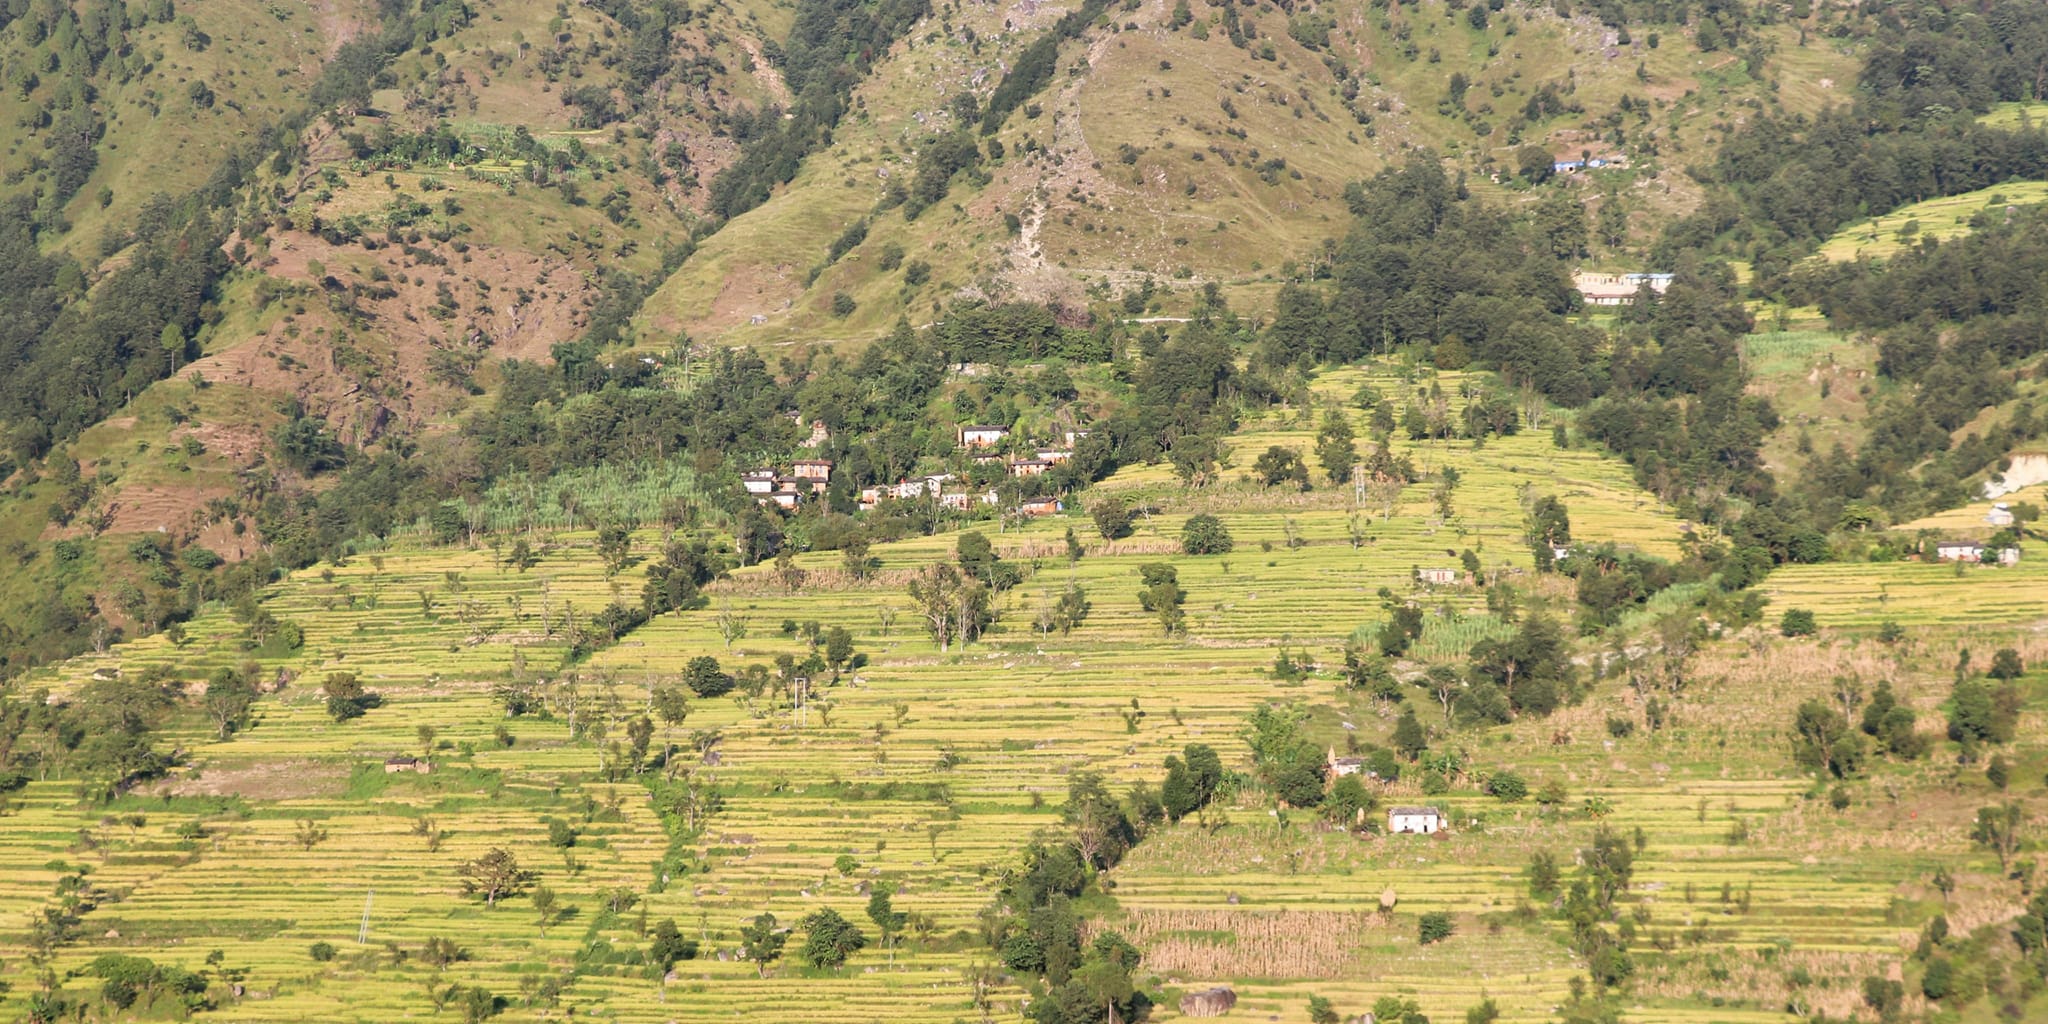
{"points": [[635, 493], [1780, 352]]}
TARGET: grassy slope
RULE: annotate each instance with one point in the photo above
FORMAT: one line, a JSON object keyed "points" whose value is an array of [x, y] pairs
{"points": [[1830, 892], [1093, 224], [278, 340], [1941, 219], [262, 58]]}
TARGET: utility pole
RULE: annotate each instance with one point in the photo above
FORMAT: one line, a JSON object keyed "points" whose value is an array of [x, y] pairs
{"points": [[363, 933]]}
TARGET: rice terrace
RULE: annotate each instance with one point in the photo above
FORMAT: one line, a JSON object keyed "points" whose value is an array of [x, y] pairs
{"points": [[1065, 512]]}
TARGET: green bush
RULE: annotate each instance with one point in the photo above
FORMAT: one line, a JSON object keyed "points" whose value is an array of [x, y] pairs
{"points": [[322, 951], [1435, 927], [1797, 622], [1507, 787], [1205, 535]]}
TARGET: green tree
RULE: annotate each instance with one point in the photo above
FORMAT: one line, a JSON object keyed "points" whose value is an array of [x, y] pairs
{"points": [[1408, 737], [1981, 711], [1204, 534], [1435, 927], [1998, 829], [762, 942], [1507, 787], [1278, 465], [1112, 518], [1550, 528], [1336, 450], [1162, 595], [1322, 1011], [670, 946], [705, 678], [1822, 741], [494, 875], [882, 911], [2006, 665], [230, 694], [346, 697], [1797, 622], [830, 939]]}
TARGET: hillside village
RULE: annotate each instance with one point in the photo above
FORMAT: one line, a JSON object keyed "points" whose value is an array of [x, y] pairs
{"points": [[1042, 513]]}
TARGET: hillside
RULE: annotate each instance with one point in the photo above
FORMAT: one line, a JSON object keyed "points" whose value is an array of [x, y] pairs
{"points": [[1169, 154], [933, 511], [922, 769]]}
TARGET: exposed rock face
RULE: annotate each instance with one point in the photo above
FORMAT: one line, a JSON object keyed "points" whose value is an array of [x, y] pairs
{"points": [[1213, 1002]]}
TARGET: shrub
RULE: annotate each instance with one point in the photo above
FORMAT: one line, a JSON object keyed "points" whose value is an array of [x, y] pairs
{"points": [[843, 304], [1507, 787], [1205, 535], [1435, 927], [1797, 622], [1939, 980], [322, 951], [831, 940], [1112, 519], [2006, 664]]}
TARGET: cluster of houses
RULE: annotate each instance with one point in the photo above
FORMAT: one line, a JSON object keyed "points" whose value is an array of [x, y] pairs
{"points": [[1957, 550], [983, 442], [1588, 164], [787, 490], [1974, 551], [1616, 289], [984, 445], [1401, 820]]}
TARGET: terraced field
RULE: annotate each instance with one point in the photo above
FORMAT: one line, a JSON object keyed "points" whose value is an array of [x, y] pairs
{"points": [[1941, 219], [930, 770]]}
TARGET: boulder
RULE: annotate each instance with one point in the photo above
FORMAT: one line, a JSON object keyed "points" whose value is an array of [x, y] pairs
{"points": [[1213, 1002]]}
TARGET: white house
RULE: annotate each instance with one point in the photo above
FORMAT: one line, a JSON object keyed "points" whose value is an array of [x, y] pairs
{"points": [[1341, 766], [1035, 507], [1959, 551], [2008, 556], [758, 481], [983, 436], [1616, 289], [1414, 820], [1437, 577], [2000, 515]]}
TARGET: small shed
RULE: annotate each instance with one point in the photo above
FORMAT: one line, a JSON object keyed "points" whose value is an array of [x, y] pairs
{"points": [[1209, 1002], [1438, 577], [1035, 507], [2000, 515], [1421, 821], [2008, 556]]}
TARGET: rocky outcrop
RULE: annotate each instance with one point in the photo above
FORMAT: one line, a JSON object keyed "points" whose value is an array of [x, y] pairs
{"points": [[1214, 1002]]}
